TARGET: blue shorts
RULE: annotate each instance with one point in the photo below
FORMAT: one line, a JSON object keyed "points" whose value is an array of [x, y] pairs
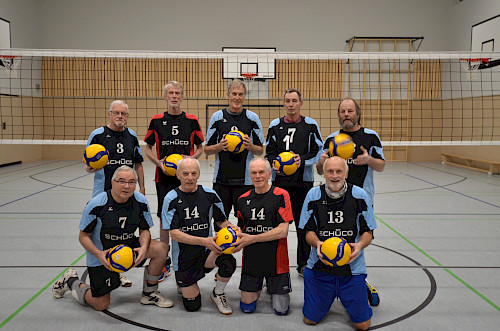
{"points": [[321, 289]]}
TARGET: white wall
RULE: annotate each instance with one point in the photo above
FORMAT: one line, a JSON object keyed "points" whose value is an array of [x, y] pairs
{"points": [[462, 16], [24, 22], [208, 25], [289, 25]]}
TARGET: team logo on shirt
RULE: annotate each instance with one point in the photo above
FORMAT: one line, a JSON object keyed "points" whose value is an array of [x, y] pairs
{"points": [[179, 201], [175, 142], [336, 233], [121, 161], [115, 237], [258, 229], [165, 122], [194, 227], [248, 202], [110, 208]]}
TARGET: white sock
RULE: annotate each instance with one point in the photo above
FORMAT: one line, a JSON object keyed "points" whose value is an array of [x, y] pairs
{"points": [[219, 287]]}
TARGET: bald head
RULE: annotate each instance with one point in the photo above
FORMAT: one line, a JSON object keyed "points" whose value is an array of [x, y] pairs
{"points": [[336, 161], [188, 162], [188, 172], [335, 170]]}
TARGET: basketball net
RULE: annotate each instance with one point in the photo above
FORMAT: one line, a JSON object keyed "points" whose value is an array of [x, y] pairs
{"points": [[11, 64], [471, 66], [247, 77]]}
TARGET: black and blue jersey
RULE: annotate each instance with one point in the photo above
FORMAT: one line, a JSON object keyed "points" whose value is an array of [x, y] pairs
{"points": [[231, 168], [191, 213], [123, 148]]}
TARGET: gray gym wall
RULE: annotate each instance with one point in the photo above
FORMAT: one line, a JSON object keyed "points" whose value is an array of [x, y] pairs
{"points": [[197, 25]]}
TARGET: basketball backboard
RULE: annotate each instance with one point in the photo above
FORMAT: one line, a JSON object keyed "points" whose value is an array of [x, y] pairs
{"points": [[242, 60], [485, 37], [4, 33]]}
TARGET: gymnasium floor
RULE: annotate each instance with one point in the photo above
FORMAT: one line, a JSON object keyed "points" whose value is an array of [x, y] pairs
{"points": [[435, 258]]}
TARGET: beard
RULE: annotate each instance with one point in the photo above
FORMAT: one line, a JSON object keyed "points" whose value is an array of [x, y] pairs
{"points": [[348, 124]]}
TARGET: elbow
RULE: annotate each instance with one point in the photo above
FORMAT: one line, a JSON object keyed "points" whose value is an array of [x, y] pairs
{"points": [[207, 150]]}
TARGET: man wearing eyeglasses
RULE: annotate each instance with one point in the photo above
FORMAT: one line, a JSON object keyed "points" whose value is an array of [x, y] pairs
{"points": [[109, 219], [123, 147]]}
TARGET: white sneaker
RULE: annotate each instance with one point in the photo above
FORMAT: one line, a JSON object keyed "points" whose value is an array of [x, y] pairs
{"points": [[61, 286], [221, 303], [124, 281], [156, 298]]}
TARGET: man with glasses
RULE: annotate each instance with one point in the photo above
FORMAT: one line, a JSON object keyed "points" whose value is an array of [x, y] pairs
{"points": [[123, 147], [109, 219]]}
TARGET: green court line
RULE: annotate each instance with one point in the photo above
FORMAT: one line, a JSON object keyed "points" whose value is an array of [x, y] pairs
{"points": [[7, 320], [439, 264]]}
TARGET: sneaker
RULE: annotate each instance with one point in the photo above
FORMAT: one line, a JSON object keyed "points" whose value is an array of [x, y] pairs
{"points": [[373, 297], [164, 273], [124, 281], [61, 286], [300, 270], [156, 298], [221, 303]]}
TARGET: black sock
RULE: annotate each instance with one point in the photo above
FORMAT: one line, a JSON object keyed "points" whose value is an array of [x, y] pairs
{"points": [[149, 285], [71, 281]]}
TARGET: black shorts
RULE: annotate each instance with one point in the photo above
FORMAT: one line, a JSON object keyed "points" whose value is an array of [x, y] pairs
{"points": [[193, 273], [162, 189], [229, 195], [103, 281], [279, 284], [197, 271]]}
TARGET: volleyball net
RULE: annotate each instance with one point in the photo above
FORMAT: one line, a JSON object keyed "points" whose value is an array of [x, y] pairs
{"points": [[410, 99]]}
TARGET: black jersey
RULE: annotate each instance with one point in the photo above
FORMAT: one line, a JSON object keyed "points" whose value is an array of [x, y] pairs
{"points": [[260, 213], [123, 148], [230, 168], [361, 175], [192, 214], [347, 217], [111, 223], [303, 138], [173, 134]]}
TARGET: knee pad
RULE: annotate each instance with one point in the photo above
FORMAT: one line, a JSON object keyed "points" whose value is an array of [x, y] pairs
{"points": [[281, 303], [226, 264], [192, 304], [248, 307], [149, 277], [78, 292]]}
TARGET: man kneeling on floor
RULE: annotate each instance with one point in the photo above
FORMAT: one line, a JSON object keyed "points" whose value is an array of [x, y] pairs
{"points": [[109, 219], [187, 214]]}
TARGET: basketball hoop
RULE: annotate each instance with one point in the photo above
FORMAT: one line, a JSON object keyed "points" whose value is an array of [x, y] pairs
{"points": [[471, 66], [11, 64], [247, 77]]}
